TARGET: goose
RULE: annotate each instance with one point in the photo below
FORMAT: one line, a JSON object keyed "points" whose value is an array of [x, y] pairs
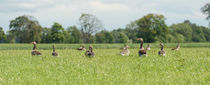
{"points": [[125, 51], [148, 47], [54, 53], [176, 48], [142, 51], [162, 52], [90, 52], [34, 51], [81, 48]]}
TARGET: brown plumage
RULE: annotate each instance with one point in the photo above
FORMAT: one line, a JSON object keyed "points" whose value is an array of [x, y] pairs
{"points": [[81, 48], [90, 52], [162, 52], [125, 51], [34, 50], [54, 53], [142, 51], [176, 48]]}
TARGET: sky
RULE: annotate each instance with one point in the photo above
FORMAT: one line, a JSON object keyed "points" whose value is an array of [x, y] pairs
{"points": [[112, 13]]}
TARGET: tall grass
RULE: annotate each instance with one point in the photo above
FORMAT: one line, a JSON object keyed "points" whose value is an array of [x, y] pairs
{"points": [[183, 67], [98, 46]]}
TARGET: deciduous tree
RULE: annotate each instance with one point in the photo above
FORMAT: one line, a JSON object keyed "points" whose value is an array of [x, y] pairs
{"points": [[89, 25], [2, 36], [25, 29], [206, 10]]}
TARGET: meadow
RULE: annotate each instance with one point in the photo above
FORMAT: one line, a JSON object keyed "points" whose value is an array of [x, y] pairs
{"points": [[189, 65]]}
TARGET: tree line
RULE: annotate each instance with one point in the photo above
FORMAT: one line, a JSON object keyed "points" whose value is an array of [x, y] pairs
{"points": [[151, 27]]}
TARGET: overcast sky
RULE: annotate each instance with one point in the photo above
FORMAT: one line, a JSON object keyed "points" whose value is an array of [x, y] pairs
{"points": [[113, 13]]}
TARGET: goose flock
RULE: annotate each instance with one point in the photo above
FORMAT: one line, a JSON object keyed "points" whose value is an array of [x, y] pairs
{"points": [[125, 51]]}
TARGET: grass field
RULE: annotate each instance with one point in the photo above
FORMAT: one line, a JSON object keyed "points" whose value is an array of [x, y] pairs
{"points": [[189, 65], [99, 46]]}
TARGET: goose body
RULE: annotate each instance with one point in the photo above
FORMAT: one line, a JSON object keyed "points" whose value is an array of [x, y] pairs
{"points": [[142, 51], [54, 53], [125, 51], [81, 48], [176, 48], [90, 52], [161, 52], [34, 50]]}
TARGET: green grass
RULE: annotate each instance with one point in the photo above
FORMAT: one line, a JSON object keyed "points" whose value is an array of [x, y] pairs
{"points": [[186, 66], [101, 46]]}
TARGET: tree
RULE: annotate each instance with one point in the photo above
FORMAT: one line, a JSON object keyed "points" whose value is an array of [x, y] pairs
{"points": [[10, 37], [179, 38], [104, 37], [75, 34], [197, 32], [152, 27], [89, 25], [100, 37], [109, 37], [206, 10], [123, 38], [131, 31], [2, 36], [206, 33], [116, 33], [25, 29], [46, 35], [57, 33], [184, 29]]}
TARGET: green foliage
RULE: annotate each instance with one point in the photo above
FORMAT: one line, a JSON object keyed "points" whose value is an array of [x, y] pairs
{"points": [[122, 38], [131, 31], [198, 35], [116, 35], [109, 37], [190, 32], [183, 29], [10, 37], [104, 37], [206, 32], [100, 38], [75, 35], [57, 33], [46, 35], [197, 32], [180, 38], [25, 29], [2, 36], [152, 27]]}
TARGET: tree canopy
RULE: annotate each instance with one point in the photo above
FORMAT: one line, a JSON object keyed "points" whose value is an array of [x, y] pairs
{"points": [[89, 25], [25, 29], [206, 10], [2, 36], [151, 27]]}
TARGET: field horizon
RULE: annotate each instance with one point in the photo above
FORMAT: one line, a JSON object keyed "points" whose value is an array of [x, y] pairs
{"points": [[48, 46]]}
